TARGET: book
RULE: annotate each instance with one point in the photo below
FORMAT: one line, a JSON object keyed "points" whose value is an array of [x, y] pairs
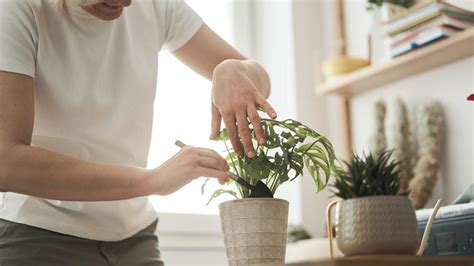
{"points": [[441, 21], [415, 37], [422, 39], [422, 12]]}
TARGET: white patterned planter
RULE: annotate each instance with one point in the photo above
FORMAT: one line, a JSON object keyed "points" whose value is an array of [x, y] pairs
{"points": [[255, 230], [377, 225]]}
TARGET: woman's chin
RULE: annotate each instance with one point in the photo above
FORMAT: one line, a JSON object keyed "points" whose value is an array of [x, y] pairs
{"points": [[104, 12]]}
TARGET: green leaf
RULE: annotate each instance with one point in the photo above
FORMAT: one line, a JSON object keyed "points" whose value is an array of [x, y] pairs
{"points": [[284, 156], [222, 135], [204, 185], [368, 176], [220, 192]]}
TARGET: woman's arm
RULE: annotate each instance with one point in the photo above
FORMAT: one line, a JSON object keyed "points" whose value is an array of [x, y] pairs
{"points": [[240, 86], [38, 172]]}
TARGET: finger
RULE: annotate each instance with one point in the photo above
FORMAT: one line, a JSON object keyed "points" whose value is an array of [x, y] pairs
{"points": [[213, 154], [222, 181], [257, 123], [210, 172], [210, 162], [266, 106], [215, 122], [179, 143], [229, 121], [244, 132], [183, 149]]}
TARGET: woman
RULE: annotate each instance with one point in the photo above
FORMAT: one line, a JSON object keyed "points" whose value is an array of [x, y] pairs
{"points": [[77, 85]]}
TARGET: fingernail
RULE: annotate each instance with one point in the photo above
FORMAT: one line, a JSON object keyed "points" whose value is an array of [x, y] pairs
{"points": [[250, 154], [262, 141]]}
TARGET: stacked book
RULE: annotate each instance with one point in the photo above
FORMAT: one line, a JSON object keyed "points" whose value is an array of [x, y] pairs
{"points": [[424, 23]]}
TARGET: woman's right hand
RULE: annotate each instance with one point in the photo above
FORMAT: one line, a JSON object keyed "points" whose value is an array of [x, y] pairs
{"points": [[186, 165]]}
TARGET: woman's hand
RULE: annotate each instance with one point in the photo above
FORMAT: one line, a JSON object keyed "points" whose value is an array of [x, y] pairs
{"points": [[237, 91], [186, 165]]}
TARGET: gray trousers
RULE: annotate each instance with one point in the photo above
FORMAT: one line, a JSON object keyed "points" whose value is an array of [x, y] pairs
{"points": [[23, 245]]}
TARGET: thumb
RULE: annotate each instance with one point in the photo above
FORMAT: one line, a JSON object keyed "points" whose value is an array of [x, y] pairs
{"points": [[215, 122]]}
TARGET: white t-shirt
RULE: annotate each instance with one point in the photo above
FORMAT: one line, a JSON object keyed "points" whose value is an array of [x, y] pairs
{"points": [[95, 84]]}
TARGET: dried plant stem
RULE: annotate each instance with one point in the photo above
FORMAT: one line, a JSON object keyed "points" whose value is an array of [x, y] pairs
{"points": [[429, 137], [378, 142], [400, 142]]}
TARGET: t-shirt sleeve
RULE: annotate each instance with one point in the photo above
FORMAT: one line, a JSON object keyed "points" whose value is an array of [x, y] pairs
{"points": [[18, 37], [178, 21]]}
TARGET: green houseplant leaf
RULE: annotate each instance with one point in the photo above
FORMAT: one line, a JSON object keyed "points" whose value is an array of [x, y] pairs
{"points": [[291, 147]]}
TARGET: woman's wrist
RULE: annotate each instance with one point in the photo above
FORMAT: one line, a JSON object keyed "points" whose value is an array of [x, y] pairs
{"points": [[229, 67], [259, 76], [251, 69], [142, 183]]}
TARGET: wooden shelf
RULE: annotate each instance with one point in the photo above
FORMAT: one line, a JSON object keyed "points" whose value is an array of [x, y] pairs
{"points": [[443, 52]]}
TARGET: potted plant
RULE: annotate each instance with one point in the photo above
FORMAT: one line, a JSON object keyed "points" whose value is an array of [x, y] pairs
{"points": [[390, 8], [255, 229], [372, 217]]}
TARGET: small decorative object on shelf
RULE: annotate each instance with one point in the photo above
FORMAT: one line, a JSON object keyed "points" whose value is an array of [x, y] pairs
{"points": [[373, 218], [255, 229]]}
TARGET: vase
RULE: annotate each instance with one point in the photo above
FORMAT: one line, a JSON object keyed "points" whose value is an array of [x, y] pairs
{"points": [[255, 230], [376, 225]]}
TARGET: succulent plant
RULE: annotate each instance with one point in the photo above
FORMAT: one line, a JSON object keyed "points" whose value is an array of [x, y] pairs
{"points": [[368, 175]]}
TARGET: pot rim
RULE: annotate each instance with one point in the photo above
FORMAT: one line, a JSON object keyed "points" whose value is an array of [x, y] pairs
{"points": [[376, 197], [254, 199]]}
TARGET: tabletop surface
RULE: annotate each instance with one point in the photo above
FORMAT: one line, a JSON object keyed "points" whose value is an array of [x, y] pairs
{"points": [[386, 260]]}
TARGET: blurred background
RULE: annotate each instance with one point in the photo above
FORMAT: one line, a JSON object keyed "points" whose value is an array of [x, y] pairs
{"points": [[292, 39]]}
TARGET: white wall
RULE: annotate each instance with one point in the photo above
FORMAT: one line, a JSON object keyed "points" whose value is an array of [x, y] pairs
{"points": [[313, 43], [268, 40], [449, 84], [291, 38]]}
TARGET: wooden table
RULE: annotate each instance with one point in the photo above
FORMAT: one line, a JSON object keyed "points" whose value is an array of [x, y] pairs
{"points": [[387, 260]]}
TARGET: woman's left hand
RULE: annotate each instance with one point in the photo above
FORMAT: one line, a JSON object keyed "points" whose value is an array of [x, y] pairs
{"points": [[239, 87]]}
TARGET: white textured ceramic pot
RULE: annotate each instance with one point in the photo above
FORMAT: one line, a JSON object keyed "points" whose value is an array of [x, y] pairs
{"points": [[255, 230], [377, 225]]}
